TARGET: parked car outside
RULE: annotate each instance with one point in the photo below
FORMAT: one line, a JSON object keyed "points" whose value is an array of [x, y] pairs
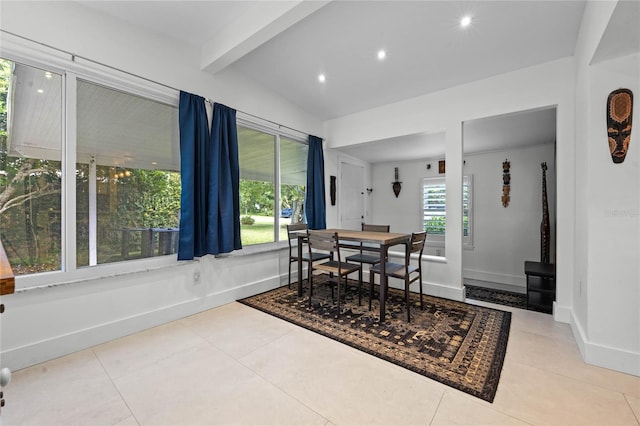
{"points": [[286, 213]]}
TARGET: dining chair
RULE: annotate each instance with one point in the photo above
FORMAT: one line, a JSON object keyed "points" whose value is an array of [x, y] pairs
{"points": [[370, 259], [327, 242], [404, 270], [293, 231]]}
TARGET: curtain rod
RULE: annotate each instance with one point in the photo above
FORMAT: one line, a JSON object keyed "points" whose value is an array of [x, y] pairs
{"points": [[74, 56]]}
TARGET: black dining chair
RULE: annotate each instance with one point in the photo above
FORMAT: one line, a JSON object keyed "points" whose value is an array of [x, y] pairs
{"points": [[404, 270], [327, 242], [293, 231], [370, 259]]}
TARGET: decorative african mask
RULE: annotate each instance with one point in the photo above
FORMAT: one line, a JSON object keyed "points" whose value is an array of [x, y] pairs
{"points": [[619, 114]]}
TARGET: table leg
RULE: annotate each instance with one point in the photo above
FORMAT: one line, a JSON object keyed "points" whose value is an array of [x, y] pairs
{"points": [[383, 280]]}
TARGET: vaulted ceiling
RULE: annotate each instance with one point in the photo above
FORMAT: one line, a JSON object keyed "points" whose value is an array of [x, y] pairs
{"points": [[285, 45]]}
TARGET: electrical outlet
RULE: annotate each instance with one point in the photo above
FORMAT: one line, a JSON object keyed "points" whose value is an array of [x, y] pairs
{"points": [[196, 277]]}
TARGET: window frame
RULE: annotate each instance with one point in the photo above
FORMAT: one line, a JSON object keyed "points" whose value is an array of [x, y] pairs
{"points": [[71, 69], [438, 240], [256, 124]]}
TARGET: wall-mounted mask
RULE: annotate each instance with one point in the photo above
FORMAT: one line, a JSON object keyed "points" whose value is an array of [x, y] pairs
{"points": [[619, 115]]}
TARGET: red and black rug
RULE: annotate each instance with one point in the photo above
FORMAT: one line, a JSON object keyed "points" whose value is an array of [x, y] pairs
{"points": [[460, 345]]}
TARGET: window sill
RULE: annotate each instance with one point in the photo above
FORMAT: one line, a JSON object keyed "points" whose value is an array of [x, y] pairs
{"points": [[425, 257], [91, 273]]}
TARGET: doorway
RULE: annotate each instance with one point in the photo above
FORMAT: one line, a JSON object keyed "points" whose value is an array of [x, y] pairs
{"points": [[508, 150]]}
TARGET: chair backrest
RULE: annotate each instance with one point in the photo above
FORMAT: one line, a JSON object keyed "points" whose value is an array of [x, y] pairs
{"points": [[375, 228], [417, 241], [416, 245], [324, 241], [293, 231]]}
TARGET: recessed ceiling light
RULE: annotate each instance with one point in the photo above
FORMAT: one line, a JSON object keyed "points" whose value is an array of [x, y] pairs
{"points": [[322, 78], [47, 75], [40, 91], [154, 163], [465, 21], [382, 54]]}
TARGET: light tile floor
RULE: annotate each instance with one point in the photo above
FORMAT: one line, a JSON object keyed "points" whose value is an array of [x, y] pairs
{"points": [[235, 365]]}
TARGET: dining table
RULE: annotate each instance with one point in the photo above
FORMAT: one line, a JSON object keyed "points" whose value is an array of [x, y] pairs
{"points": [[372, 241]]}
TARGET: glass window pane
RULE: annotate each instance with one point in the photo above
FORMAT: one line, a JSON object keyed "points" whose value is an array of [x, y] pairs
{"points": [[257, 186], [128, 180], [30, 167], [293, 180]]}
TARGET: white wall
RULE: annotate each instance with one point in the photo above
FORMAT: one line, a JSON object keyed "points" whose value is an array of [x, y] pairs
{"points": [[503, 238], [606, 314], [613, 224], [54, 320], [550, 84], [74, 28], [596, 245]]}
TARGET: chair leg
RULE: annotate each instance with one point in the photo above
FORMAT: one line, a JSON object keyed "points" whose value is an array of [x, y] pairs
{"points": [[310, 285], [421, 303], [360, 286], [406, 297], [338, 284], [289, 283], [371, 276]]}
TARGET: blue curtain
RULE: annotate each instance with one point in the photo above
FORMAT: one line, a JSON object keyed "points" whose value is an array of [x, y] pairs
{"points": [[194, 151], [210, 174], [314, 204], [223, 234]]}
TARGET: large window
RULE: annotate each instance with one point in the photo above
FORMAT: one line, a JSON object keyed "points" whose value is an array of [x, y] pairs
{"points": [[90, 172], [434, 200], [126, 201], [127, 179], [272, 184], [30, 167]]}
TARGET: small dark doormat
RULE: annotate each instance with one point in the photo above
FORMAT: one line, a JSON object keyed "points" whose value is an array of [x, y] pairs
{"points": [[460, 345], [499, 297]]}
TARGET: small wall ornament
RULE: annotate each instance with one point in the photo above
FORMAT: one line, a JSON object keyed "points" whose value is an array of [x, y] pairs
{"points": [[619, 114], [397, 185], [506, 183], [332, 189]]}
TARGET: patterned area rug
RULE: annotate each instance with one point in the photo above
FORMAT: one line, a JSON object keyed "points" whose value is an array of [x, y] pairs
{"points": [[460, 345], [499, 297]]}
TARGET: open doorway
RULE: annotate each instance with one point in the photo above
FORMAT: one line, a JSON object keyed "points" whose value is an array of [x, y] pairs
{"points": [[504, 154]]}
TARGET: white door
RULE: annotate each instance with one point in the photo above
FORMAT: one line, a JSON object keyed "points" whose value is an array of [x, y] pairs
{"points": [[351, 196]]}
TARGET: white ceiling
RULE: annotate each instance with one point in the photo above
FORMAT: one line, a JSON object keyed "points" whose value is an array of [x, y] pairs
{"points": [[513, 131], [427, 50], [284, 45]]}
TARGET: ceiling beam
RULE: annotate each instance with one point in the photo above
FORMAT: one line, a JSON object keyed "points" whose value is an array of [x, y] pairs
{"points": [[256, 27]]}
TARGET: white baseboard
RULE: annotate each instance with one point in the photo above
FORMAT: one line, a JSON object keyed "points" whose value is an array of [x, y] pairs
{"points": [[446, 292], [513, 280], [562, 313], [605, 356], [57, 346]]}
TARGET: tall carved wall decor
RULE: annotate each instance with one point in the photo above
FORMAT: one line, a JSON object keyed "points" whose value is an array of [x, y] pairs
{"points": [[619, 115], [506, 183], [545, 226]]}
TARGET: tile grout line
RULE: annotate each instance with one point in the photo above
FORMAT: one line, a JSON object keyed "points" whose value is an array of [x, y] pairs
{"points": [[435, 412], [115, 387], [238, 360]]}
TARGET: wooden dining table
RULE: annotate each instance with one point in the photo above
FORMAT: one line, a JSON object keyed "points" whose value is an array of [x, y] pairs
{"points": [[376, 241]]}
